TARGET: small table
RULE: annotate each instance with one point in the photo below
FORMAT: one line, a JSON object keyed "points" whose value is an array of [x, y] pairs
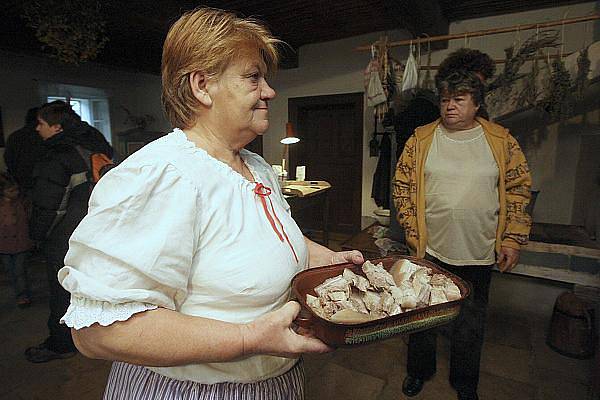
{"points": [[305, 194]]}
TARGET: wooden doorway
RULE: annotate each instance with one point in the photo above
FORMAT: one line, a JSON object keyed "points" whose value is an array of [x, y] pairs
{"points": [[331, 132]]}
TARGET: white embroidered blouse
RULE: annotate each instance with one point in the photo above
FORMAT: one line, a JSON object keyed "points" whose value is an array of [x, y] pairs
{"points": [[174, 227]]}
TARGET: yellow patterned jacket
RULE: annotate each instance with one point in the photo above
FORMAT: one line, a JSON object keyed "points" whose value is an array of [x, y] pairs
{"points": [[514, 187]]}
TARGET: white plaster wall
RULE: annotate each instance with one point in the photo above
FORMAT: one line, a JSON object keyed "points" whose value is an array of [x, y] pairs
{"points": [[326, 68], [22, 76], [334, 67]]}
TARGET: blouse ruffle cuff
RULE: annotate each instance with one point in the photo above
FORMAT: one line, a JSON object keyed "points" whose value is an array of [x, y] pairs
{"points": [[84, 312]]}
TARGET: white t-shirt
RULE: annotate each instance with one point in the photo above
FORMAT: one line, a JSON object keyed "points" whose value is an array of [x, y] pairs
{"points": [[461, 197], [176, 228]]}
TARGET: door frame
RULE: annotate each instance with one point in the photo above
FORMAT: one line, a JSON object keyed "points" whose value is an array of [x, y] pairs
{"points": [[357, 100]]}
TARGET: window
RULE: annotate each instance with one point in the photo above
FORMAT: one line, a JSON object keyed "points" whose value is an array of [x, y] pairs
{"points": [[91, 104], [93, 111]]}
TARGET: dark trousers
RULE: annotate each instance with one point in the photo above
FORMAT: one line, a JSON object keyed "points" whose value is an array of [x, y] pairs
{"points": [[466, 333], [59, 339]]}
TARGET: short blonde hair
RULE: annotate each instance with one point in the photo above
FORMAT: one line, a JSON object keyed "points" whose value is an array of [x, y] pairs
{"points": [[207, 40]]}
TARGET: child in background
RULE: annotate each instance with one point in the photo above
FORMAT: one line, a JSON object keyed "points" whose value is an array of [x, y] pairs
{"points": [[14, 238]]}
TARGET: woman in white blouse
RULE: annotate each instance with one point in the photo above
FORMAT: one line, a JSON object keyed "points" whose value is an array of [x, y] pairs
{"points": [[181, 270]]}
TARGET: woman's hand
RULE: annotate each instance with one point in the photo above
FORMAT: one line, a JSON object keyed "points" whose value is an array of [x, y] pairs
{"points": [[352, 256], [320, 255], [507, 259], [273, 334]]}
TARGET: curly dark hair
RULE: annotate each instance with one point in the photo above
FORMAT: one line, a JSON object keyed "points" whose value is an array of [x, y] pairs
{"points": [[467, 59]]}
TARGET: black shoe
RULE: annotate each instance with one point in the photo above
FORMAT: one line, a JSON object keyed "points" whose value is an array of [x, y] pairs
{"points": [[467, 395], [41, 354], [412, 386]]}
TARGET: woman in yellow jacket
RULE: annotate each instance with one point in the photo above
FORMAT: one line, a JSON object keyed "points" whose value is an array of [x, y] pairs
{"points": [[461, 187]]}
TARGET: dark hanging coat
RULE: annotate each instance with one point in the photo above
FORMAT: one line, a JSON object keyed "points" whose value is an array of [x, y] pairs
{"points": [[420, 111], [382, 179]]}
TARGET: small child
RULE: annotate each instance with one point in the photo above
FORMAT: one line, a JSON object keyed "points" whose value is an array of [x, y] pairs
{"points": [[14, 238]]}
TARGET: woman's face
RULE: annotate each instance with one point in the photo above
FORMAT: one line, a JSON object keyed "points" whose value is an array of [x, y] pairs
{"points": [[240, 97], [458, 111]]}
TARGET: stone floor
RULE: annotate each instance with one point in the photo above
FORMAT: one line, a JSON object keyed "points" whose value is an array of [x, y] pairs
{"points": [[516, 363]]}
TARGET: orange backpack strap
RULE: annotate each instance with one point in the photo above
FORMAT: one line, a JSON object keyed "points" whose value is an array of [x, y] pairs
{"points": [[97, 163], [100, 164]]}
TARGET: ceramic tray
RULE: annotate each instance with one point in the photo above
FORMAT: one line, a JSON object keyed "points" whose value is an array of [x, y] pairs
{"points": [[335, 334]]}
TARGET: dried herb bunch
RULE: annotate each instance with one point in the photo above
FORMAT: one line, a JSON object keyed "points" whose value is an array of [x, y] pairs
{"points": [[559, 104], [514, 62], [581, 81], [72, 30], [529, 95]]}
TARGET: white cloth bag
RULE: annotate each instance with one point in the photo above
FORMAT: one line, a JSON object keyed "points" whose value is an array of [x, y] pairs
{"points": [[375, 93], [410, 79]]}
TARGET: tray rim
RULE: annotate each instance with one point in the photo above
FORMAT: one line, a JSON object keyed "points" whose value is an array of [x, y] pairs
{"points": [[405, 315]]}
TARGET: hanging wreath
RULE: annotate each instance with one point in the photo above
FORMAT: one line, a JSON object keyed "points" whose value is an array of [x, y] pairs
{"points": [[72, 30]]}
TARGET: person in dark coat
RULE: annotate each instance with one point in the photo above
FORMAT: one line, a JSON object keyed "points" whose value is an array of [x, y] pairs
{"points": [[24, 147], [60, 196]]}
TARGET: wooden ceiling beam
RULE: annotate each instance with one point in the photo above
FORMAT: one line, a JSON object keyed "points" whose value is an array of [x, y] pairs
{"points": [[421, 18], [467, 9]]}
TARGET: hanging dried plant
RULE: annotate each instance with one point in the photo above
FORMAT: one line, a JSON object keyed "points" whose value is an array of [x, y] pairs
{"points": [[496, 96], [559, 104], [581, 80], [428, 82], [528, 96], [72, 29], [514, 62]]}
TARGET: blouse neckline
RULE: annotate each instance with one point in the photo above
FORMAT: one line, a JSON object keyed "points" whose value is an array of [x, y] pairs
{"points": [[464, 136], [220, 165]]}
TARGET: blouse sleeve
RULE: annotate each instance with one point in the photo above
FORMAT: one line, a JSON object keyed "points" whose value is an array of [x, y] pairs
{"points": [[134, 249]]}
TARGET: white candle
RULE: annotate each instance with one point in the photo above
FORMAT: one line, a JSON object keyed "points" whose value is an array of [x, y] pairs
{"points": [[300, 172]]}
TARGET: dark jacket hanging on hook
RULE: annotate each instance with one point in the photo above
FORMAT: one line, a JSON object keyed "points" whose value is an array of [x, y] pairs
{"points": [[380, 191], [374, 143], [421, 110]]}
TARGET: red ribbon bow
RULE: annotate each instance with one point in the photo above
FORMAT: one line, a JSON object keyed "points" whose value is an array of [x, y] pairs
{"points": [[263, 191]]}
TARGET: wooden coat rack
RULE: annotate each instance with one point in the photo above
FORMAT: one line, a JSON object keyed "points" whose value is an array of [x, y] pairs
{"points": [[435, 67], [485, 32]]}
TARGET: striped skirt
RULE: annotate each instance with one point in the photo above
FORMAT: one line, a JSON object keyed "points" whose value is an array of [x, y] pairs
{"points": [[134, 382]]}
